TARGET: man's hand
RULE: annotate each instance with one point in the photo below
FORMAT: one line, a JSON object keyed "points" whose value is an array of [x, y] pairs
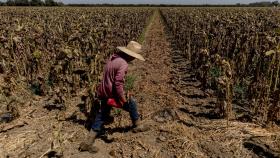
{"points": [[129, 95], [123, 100], [126, 98]]}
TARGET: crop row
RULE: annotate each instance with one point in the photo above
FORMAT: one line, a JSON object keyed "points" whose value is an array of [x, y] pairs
{"points": [[235, 51], [62, 50]]}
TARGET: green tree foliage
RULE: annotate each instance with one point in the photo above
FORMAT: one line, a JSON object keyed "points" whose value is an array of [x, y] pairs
{"points": [[50, 3], [32, 3], [10, 2], [36, 3], [22, 2], [275, 3], [264, 4]]}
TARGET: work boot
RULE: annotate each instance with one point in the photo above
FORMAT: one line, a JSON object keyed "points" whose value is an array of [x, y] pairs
{"points": [[139, 127], [87, 145], [109, 120], [135, 123]]}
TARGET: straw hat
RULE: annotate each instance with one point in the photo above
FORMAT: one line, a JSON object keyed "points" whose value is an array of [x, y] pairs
{"points": [[133, 49]]}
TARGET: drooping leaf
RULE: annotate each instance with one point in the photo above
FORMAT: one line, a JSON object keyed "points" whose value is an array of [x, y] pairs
{"points": [[268, 53]]}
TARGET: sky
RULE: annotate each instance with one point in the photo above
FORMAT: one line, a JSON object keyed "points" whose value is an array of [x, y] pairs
{"points": [[162, 1]]}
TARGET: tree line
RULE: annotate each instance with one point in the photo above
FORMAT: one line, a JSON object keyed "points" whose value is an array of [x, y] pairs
{"points": [[176, 5], [255, 4], [31, 3], [54, 3], [265, 4]]}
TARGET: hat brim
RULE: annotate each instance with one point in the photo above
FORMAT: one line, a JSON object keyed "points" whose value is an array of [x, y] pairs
{"points": [[131, 53]]}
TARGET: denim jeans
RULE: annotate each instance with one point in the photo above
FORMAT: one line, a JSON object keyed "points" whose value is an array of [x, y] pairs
{"points": [[104, 113]]}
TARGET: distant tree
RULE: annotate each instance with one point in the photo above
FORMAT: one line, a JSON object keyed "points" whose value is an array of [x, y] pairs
{"points": [[31, 3], [36, 3], [50, 3], [275, 3], [59, 3], [10, 2], [264, 4], [21, 2]]}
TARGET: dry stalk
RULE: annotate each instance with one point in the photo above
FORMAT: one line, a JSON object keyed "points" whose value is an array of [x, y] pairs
{"points": [[45, 153]]}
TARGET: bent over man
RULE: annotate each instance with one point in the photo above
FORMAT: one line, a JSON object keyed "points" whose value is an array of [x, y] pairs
{"points": [[111, 92]]}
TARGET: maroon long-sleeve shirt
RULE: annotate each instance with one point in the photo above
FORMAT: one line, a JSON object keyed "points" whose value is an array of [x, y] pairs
{"points": [[112, 84]]}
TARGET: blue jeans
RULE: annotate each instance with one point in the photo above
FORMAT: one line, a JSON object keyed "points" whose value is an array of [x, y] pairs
{"points": [[104, 113]]}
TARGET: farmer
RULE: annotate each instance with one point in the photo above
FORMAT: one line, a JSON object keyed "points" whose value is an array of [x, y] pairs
{"points": [[111, 92]]}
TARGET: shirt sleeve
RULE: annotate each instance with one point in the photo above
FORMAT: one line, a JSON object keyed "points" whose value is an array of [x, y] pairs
{"points": [[119, 80]]}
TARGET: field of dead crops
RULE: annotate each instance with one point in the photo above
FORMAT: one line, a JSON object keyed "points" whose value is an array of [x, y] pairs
{"points": [[234, 51], [210, 85]]}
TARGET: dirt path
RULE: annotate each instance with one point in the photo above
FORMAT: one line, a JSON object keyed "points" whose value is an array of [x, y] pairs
{"points": [[155, 97], [157, 101], [178, 113]]}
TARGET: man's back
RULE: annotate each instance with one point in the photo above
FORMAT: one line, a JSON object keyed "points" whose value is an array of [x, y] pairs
{"points": [[112, 83]]}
